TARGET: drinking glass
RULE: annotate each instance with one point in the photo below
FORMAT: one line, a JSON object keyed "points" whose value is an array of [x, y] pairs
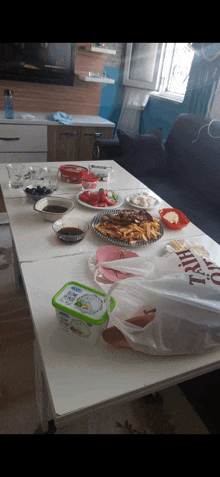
{"points": [[51, 177], [15, 174], [32, 176]]}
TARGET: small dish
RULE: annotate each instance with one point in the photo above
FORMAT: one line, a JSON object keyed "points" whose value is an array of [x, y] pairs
{"points": [[183, 244], [183, 221], [70, 229], [148, 196], [58, 202]]}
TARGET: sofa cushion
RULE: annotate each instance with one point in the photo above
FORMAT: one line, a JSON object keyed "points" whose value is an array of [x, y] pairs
{"points": [[190, 201], [142, 152], [193, 155]]}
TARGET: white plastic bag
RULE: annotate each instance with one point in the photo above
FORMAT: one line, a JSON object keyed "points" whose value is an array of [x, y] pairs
{"points": [[184, 287]]}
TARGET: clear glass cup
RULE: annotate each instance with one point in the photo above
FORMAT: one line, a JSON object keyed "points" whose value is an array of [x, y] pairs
{"points": [[52, 176], [32, 174], [16, 175]]}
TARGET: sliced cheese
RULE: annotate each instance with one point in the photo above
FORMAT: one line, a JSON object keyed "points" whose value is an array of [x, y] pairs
{"points": [[172, 217]]}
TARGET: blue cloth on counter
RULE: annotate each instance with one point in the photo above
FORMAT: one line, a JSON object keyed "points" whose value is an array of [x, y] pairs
{"points": [[61, 117]]}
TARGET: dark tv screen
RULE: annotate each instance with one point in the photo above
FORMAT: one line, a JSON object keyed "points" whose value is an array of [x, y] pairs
{"points": [[49, 63]]}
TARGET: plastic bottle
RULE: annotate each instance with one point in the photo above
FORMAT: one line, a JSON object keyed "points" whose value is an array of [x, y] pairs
{"points": [[8, 100]]}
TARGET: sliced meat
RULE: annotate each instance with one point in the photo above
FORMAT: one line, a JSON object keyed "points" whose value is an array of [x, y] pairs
{"points": [[108, 253], [114, 337], [126, 217]]}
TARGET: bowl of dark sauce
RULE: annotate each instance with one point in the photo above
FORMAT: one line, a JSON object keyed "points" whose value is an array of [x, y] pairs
{"points": [[69, 229], [54, 208]]}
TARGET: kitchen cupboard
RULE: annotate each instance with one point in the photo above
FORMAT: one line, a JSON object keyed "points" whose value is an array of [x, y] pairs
{"points": [[45, 140], [71, 143]]}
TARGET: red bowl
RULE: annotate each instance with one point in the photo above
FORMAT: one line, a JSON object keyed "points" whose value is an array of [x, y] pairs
{"points": [[183, 221], [73, 174]]}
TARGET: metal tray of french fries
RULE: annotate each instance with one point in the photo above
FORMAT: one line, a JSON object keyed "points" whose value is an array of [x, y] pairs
{"points": [[134, 235]]}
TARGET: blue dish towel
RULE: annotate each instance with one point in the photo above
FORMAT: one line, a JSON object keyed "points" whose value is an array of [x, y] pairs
{"points": [[61, 117]]}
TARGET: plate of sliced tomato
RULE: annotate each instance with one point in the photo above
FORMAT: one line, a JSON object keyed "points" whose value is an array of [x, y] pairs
{"points": [[101, 199]]}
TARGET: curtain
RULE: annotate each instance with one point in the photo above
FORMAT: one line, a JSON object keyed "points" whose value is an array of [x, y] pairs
{"points": [[203, 79], [144, 63], [134, 101]]}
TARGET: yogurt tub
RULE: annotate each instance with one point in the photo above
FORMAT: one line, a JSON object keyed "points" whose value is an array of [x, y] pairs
{"points": [[81, 311], [101, 171]]}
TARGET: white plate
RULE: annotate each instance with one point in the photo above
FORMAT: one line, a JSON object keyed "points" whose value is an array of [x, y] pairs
{"points": [[188, 244], [118, 203], [157, 202]]}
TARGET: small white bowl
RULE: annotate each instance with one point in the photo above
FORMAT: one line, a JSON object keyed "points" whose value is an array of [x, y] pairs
{"points": [[59, 201]]}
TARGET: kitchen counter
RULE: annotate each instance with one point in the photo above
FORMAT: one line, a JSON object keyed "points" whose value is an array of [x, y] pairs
{"points": [[42, 120]]}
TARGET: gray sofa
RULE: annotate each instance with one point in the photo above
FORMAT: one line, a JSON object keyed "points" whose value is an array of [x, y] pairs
{"points": [[184, 170]]}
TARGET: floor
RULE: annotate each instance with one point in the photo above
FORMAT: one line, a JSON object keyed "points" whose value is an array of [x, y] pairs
{"points": [[146, 415]]}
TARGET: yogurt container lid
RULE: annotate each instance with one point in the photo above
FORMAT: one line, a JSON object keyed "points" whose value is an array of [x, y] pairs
{"points": [[100, 167], [71, 168], [83, 302]]}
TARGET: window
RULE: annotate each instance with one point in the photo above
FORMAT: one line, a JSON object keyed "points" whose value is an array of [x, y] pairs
{"points": [[162, 68], [176, 68], [142, 65]]}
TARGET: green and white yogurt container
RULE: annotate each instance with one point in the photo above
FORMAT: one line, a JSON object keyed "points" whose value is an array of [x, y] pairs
{"points": [[81, 311]]}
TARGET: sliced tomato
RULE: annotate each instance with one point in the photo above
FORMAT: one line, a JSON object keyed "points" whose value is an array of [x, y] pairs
{"points": [[100, 195], [110, 201], [83, 198], [97, 198], [93, 202], [88, 193]]}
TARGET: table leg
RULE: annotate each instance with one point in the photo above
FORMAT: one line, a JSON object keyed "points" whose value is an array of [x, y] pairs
{"points": [[17, 273], [42, 398]]}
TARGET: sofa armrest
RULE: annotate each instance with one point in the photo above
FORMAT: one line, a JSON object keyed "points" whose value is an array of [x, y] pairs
{"points": [[106, 149]]}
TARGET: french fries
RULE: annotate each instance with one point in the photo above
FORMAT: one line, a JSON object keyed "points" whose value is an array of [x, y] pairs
{"points": [[131, 233]]}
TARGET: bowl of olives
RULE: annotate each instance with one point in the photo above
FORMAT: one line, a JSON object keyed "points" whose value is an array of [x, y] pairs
{"points": [[34, 193]]}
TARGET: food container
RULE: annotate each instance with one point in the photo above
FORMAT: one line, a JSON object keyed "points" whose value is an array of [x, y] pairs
{"points": [[73, 174], [81, 311], [183, 221], [59, 202], [102, 171], [70, 229], [90, 182]]}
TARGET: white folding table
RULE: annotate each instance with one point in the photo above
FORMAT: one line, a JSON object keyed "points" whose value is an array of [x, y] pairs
{"points": [[74, 380]]}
